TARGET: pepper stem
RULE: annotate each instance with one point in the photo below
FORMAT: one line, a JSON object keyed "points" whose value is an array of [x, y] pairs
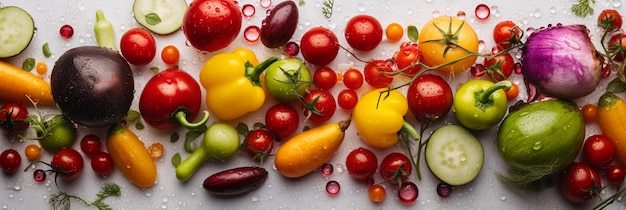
{"points": [[180, 116], [484, 96], [253, 73]]}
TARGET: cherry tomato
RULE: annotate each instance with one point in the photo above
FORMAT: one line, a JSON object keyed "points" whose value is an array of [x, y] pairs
{"points": [[91, 144], [32, 152], [347, 99], [598, 151], [12, 116], [615, 174], [170, 55], [505, 33], [102, 163], [353, 79], [374, 74], [395, 167], [512, 92], [259, 144], [361, 163], [500, 67], [319, 46], [363, 32], [10, 161], [429, 97], [394, 32], [41, 67], [137, 46], [408, 54], [282, 120], [69, 162], [580, 183], [323, 102], [325, 78], [617, 46], [211, 25], [610, 20], [456, 38], [590, 113], [377, 193]]}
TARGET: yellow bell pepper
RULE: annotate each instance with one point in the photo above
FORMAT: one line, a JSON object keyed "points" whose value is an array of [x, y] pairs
{"points": [[378, 117], [232, 83], [611, 115]]}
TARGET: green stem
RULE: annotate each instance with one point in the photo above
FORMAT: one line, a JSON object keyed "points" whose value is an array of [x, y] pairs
{"points": [[185, 170], [253, 73], [485, 96], [180, 116], [408, 128]]}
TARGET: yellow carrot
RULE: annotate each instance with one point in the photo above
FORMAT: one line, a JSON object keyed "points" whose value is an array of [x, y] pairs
{"points": [[131, 156], [310, 149], [612, 122], [16, 84]]}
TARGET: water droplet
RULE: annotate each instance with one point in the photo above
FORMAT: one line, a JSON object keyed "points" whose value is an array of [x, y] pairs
{"points": [[436, 13], [537, 146], [265, 3], [333, 187], [361, 7], [255, 198], [327, 169], [460, 15], [482, 12], [252, 34], [536, 13], [552, 10], [502, 198], [248, 10], [617, 3]]}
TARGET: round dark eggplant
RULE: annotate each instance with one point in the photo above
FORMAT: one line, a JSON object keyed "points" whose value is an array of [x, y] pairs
{"points": [[93, 86], [278, 27]]}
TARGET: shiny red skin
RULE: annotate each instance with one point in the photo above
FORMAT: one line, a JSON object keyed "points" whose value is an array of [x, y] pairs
{"points": [[615, 42], [363, 32], [211, 25], [282, 120], [319, 46], [361, 163], [579, 182], [347, 99], [374, 74], [235, 181], [325, 78], [259, 143], [325, 103], [598, 151], [10, 161], [615, 174], [393, 163], [353, 79], [12, 116], [91, 144], [429, 97], [507, 64], [610, 16], [138, 46], [504, 31], [102, 163], [166, 93], [408, 54], [69, 162]]}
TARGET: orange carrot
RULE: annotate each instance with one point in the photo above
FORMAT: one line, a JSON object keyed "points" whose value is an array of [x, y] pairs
{"points": [[16, 84]]}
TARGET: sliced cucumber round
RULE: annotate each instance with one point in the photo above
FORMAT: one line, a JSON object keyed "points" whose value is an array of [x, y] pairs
{"points": [[16, 30], [160, 16], [454, 155]]}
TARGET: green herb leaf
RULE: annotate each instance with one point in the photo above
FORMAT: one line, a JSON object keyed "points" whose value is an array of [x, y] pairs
{"points": [[29, 64], [132, 116], [174, 137], [616, 85], [191, 136], [301, 3], [583, 8], [153, 18], [46, 50], [176, 159], [61, 200], [413, 33], [327, 8], [154, 70], [242, 129]]}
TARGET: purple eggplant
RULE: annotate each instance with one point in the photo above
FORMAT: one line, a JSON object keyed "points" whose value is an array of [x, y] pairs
{"points": [[235, 181], [278, 27]]}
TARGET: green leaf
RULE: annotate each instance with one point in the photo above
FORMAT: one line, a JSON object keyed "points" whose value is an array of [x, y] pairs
{"points": [[583, 8], [176, 159], [29, 64], [132, 116], [153, 18], [616, 85], [301, 3], [413, 33], [154, 70], [46, 50], [242, 129], [174, 137]]}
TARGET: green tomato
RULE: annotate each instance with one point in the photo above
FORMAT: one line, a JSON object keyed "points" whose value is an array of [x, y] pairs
{"points": [[59, 134], [480, 104], [286, 79], [221, 141]]}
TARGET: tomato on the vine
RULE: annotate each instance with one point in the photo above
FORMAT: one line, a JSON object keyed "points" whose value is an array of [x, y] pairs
{"points": [[395, 167], [445, 42], [615, 174], [352, 79], [102, 163], [500, 67], [617, 47], [259, 144], [598, 151], [319, 105], [347, 99], [138, 46], [429, 97], [69, 162], [325, 78], [361, 163], [363, 32], [505, 33], [375, 75], [10, 161], [282, 120], [610, 20], [12, 116], [512, 92], [408, 54], [580, 183], [319, 46]]}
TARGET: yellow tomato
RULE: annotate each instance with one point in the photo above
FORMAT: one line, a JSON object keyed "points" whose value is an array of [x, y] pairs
{"points": [[445, 40]]}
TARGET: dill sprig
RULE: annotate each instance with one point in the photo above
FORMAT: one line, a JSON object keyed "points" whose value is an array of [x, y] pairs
{"points": [[62, 199]]}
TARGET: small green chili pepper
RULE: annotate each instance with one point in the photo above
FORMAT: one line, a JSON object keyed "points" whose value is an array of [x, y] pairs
{"points": [[481, 104]]}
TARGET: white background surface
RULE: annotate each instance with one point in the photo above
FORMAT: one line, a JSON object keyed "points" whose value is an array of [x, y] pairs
{"points": [[19, 191]]}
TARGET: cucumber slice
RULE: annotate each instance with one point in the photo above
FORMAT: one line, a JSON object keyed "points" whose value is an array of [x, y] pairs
{"points": [[454, 155], [16, 30], [160, 16]]}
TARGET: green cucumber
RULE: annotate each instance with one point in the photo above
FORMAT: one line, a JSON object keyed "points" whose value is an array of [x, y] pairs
{"points": [[454, 155], [16, 30], [540, 139], [160, 16]]}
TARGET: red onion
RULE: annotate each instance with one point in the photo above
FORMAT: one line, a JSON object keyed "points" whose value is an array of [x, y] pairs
{"points": [[562, 62]]}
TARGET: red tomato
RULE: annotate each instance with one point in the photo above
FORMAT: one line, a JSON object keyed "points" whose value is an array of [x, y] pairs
{"points": [[615, 174], [363, 32], [408, 54], [137, 46], [617, 47], [347, 99], [282, 120], [90, 145], [395, 167], [353, 79], [169, 92], [374, 74], [325, 78], [598, 151], [319, 105], [361, 163], [500, 67], [580, 183], [10, 161], [12, 116], [211, 25], [102, 163], [319, 46], [429, 97], [259, 144], [69, 163], [610, 20], [505, 33]]}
